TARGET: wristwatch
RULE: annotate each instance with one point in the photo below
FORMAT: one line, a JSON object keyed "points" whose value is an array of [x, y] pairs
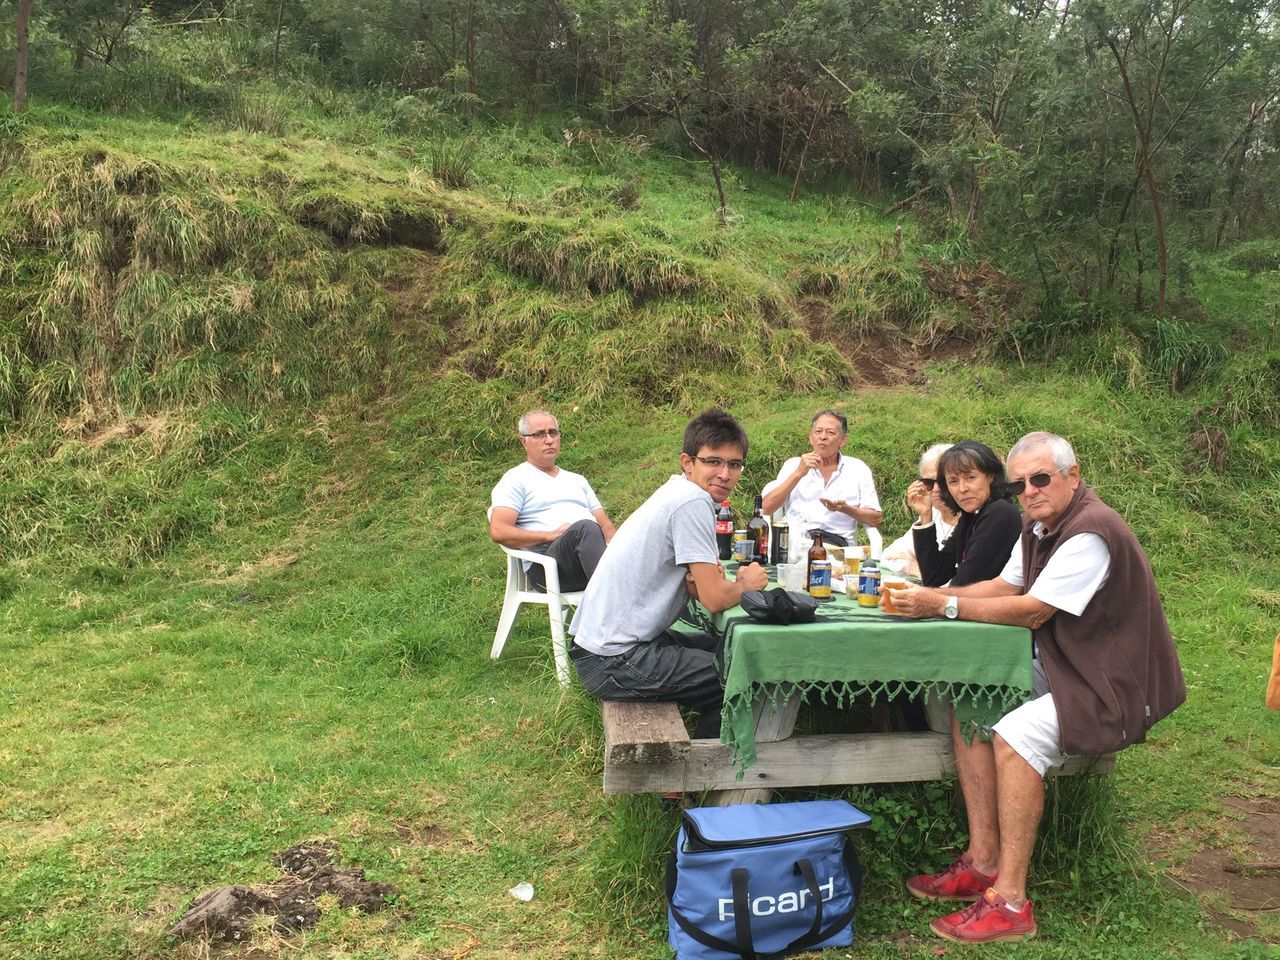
{"points": [[952, 609]]}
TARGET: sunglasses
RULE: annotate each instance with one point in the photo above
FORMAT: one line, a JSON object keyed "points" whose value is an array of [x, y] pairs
{"points": [[929, 482], [1037, 480]]}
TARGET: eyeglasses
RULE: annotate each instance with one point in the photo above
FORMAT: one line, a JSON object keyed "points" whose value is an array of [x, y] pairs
{"points": [[541, 434], [929, 482], [1037, 480], [715, 463]]}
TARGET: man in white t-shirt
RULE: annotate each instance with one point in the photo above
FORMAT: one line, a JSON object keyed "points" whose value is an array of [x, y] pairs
{"points": [[1105, 671], [541, 507], [825, 489]]}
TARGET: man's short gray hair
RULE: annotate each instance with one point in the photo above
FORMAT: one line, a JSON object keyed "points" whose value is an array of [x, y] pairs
{"points": [[1059, 449], [522, 424], [843, 420], [933, 453]]}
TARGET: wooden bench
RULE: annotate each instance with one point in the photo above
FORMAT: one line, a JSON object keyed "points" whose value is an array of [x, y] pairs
{"points": [[647, 749]]}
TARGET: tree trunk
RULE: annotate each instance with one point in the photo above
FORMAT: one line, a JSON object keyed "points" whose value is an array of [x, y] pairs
{"points": [[275, 50], [471, 60], [1137, 286], [1162, 251], [1233, 179], [804, 151], [722, 214], [1113, 252], [1142, 132], [975, 197], [24, 57]]}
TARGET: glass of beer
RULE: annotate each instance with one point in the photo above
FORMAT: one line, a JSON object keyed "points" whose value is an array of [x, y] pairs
{"points": [[891, 583]]}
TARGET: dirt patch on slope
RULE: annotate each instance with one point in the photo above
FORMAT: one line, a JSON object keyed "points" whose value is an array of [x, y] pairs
{"points": [[1239, 884], [890, 350]]}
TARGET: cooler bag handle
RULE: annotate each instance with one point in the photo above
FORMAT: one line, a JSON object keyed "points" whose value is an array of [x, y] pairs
{"points": [[745, 946], [853, 867], [740, 915]]}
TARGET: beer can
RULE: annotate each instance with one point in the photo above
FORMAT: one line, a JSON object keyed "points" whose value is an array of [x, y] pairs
{"points": [[869, 585], [820, 579], [780, 542], [743, 550]]}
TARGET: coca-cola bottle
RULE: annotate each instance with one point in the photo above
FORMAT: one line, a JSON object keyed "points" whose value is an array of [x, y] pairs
{"points": [[724, 530]]}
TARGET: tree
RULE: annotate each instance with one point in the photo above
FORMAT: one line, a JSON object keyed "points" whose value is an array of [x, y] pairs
{"points": [[1167, 55], [24, 55]]}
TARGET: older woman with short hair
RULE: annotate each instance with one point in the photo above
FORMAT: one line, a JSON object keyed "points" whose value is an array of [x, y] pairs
{"points": [[900, 555], [971, 481]]}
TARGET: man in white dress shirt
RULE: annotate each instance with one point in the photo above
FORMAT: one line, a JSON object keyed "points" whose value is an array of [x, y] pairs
{"points": [[541, 507], [824, 489]]}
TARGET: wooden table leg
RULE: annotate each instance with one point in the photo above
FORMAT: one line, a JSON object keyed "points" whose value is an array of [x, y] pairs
{"points": [[775, 720], [937, 711]]}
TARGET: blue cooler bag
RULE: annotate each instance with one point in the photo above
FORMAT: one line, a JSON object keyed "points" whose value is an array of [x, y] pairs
{"points": [[754, 881]]}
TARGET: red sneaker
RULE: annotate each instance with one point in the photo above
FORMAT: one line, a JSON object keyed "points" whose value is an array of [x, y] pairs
{"points": [[958, 882], [989, 919]]}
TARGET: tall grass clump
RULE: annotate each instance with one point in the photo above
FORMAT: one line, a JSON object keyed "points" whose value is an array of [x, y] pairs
{"points": [[588, 311], [151, 282], [869, 292], [452, 161]]}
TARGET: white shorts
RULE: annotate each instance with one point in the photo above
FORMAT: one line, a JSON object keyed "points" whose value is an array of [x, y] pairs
{"points": [[1032, 731]]}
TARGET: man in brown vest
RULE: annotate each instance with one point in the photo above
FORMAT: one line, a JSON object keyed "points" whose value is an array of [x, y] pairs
{"points": [[1105, 667]]}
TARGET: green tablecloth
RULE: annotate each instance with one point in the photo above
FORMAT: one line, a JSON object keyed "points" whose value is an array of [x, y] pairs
{"points": [[853, 651]]}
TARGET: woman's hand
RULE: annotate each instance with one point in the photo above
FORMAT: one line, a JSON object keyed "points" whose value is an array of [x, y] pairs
{"points": [[920, 501]]}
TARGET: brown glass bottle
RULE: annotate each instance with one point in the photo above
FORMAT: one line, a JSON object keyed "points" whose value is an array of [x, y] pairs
{"points": [[816, 552], [758, 531]]}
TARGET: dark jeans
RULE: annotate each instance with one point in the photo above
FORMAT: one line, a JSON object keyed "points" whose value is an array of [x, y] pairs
{"points": [[671, 666], [577, 551], [830, 539]]}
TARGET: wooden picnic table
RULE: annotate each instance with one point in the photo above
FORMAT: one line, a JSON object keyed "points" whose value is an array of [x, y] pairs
{"points": [[851, 652]]}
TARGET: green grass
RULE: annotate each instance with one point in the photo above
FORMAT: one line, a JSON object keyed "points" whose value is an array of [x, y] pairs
{"points": [[173, 730], [248, 599]]}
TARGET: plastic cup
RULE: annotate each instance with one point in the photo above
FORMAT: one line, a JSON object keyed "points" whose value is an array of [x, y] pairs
{"points": [[791, 576], [887, 584]]}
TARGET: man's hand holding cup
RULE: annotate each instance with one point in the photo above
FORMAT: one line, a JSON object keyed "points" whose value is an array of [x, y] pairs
{"points": [[913, 601]]}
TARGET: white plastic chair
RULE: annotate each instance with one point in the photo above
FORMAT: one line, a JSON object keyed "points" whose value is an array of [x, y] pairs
{"points": [[520, 591], [874, 539]]}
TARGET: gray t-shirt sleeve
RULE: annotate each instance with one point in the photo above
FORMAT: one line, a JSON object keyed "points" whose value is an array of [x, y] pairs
{"points": [[693, 534]]}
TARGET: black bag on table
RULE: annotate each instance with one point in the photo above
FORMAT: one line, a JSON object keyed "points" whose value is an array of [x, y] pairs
{"points": [[779, 606]]}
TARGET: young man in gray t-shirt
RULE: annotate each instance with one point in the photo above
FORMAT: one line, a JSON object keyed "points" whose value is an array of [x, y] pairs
{"points": [[663, 554]]}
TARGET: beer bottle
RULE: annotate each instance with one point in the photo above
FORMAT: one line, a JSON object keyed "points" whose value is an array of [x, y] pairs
{"points": [[816, 552], [724, 530], [758, 531]]}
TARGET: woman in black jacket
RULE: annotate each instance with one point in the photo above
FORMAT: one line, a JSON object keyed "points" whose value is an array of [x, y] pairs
{"points": [[971, 479]]}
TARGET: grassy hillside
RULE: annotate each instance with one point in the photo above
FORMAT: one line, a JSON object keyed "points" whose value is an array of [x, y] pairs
{"points": [[258, 387]]}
